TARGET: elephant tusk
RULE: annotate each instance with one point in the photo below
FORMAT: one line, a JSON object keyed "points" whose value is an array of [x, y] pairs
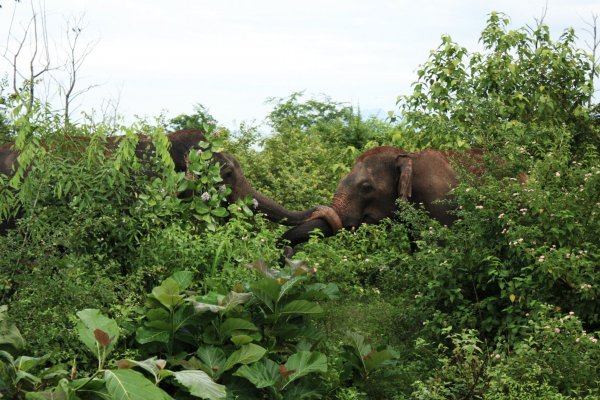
{"points": [[328, 214]]}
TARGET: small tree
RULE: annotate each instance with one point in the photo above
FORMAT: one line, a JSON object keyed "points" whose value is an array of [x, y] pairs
{"points": [[522, 77], [198, 120]]}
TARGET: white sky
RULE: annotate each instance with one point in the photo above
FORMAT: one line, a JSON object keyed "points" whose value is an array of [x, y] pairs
{"points": [[231, 55]]}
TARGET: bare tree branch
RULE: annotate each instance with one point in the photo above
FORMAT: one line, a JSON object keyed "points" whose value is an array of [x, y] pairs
{"points": [[594, 46], [75, 60]]}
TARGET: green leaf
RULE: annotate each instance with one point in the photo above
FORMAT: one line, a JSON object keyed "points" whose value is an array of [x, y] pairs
{"points": [[200, 307], [25, 363], [126, 384], [289, 285], [358, 344], [330, 290], [213, 358], [145, 335], [151, 365], [247, 354], [9, 333], [183, 279], [303, 390], [219, 212], [90, 321], [266, 290], [240, 340], [262, 374], [184, 316], [233, 299], [376, 359], [168, 293], [232, 325], [304, 363], [199, 384], [302, 307]]}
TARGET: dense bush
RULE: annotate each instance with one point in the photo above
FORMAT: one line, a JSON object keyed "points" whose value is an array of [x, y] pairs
{"points": [[503, 304]]}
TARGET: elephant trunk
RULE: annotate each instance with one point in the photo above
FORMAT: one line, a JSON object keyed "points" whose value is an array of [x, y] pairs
{"points": [[277, 213]]}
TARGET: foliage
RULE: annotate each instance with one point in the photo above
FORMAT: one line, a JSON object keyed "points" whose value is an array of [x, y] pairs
{"points": [[313, 143], [263, 336], [542, 366], [198, 120], [503, 304], [522, 76]]}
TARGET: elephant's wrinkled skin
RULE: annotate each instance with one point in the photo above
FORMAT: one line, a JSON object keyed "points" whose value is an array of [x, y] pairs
{"points": [[182, 142], [382, 175]]}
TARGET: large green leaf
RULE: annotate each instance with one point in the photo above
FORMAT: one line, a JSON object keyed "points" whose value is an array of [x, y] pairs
{"points": [[232, 325], [213, 359], [358, 344], [289, 285], [262, 374], [322, 291], [376, 359], [266, 290], [234, 299], [183, 279], [9, 333], [208, 302], [92, 320], [184, 316], [240, 340], [25, 363], [301, 307], [304, 390], [247, 354], [151, 365], [304, 363], [199, 384], [126, 384], [145, 335], [168, 293], [94, 388]]}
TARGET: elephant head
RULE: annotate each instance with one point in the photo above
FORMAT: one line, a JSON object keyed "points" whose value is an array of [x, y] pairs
{"points": [[382, 175]]}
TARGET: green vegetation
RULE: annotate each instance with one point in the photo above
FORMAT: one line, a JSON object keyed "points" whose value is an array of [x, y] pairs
{"points": [[113, 287]]}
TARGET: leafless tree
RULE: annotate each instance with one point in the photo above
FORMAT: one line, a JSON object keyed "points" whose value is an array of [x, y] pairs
{"points": [[28, 54], [34, 37], [594, 46], [75, 60]]}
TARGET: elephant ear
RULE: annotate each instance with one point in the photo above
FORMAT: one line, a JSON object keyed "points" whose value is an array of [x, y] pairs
{"points": [[404, 164]]}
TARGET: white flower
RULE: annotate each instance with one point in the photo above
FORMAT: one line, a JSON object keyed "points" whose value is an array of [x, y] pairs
{"points": [[557, 173], [501, 216], [255, 203], [222, 188], [479, 207], [205, 196]]}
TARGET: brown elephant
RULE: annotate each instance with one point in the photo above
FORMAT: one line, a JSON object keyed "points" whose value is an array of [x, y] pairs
{"points": [[182, 142], [382, 175]]}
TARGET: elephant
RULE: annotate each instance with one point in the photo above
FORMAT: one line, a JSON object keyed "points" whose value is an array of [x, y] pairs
{"points": [[380, 176], [181, 143]]}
